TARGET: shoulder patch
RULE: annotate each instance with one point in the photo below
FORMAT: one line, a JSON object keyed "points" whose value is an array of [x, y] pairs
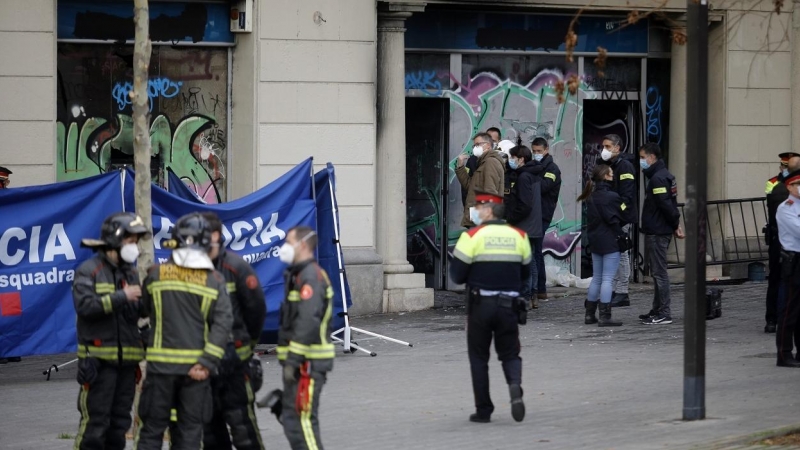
{"points": [[251, 282], [626, 176], [550, 175], [306, 292], [789, 202], [773, 180], [661, 190], [471, 232]]}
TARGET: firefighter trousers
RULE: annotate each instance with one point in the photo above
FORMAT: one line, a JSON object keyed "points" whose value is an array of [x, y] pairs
{"points": [[105, 407], [160, 394], [233, 407], [302, 427]]}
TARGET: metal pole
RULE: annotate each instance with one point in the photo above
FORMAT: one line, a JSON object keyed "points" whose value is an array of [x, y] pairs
{"points": [[694, 344]]}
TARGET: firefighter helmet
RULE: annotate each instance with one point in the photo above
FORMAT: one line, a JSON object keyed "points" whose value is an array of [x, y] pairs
{"points": [[117, 227], [192, 231]]}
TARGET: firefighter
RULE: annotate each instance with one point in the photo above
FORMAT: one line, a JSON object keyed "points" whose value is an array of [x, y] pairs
{"points": [[304, 347], [190, 316], [776, 193], [240, 373], [788, 218], [106, 294], [493, 259]]}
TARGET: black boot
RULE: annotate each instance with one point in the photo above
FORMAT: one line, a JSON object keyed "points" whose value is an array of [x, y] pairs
{"points": [[605, 316], [517, 405], [591, 308], [787, 360], [619, 300], [771, 327]]}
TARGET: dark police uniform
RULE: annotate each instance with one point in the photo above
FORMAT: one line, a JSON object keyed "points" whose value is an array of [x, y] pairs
{"points": [[788, 218], [232, 388], [304, 343], [109, 343], [776, 193], [493, 260]]}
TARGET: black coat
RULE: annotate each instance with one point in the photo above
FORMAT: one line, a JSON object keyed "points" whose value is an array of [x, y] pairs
{"points": [[624, 183], [604, 215], [524, 202], [551, 186], [660, 213]]}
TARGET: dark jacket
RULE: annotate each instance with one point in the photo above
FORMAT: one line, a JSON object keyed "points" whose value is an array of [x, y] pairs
{"points": [[509, 178], [107, 321], [190, 318], [551, 186], [471, 165], [247, 301], [524, 202], [660, 213], [604, 213], [304, 332], [624, 183]]}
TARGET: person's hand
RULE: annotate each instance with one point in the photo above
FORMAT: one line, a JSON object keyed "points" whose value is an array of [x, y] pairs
{"points": [[198, 372], [679, 233], [289, 374], [132, 292], [462, 159]]}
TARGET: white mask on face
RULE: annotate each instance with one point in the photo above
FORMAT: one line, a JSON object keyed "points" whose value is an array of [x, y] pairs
{"points": [[129, 253], [286, 253], [474, 216], [538, 156], [477, 151], [606, 154]]}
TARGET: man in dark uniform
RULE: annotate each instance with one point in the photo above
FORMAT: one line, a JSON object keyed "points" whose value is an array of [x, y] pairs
{"points": [[493, 259], [776, 193], [788, 219], [624, 184], [304, 344], [550, 187], [240, 371], [190, 315], [106, 294]]}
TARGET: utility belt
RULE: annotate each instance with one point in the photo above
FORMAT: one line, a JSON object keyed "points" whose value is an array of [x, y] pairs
{"points": [[516, 304], [789, 264]]}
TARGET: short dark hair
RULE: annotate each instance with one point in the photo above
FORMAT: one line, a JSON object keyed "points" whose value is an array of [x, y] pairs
{"points": [[213, 221], [498, 210], [520, 151], [651, 148], [300, 233], [614, 138], [495, 129], [484, 136], [540, 142]]}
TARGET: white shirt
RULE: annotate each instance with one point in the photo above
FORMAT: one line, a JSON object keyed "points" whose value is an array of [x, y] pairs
{"points": [[788, 218]]}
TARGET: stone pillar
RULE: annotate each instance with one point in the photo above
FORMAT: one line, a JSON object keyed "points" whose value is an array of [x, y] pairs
{"points": [[677, 113], [403, 289]]}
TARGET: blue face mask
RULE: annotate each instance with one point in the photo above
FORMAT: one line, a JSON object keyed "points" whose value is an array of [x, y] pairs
{"points": [[513, 164], [643, 164], [785, 173], [474, 217], [538, 157]]}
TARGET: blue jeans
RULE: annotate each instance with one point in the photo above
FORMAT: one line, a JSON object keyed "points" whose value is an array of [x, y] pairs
{"points": [[529, 285], [604, 267]]}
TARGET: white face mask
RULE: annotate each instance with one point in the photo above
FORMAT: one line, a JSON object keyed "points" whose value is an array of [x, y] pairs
{"points": [[606, 154], [129, 253], [477, 151], [286, 253], [538, 156], [474, 216]]}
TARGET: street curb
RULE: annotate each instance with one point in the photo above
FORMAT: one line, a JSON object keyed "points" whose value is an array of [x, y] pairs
{"points": [[749, 441]]}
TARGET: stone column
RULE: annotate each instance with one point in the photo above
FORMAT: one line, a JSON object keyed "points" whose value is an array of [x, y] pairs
{"points": [[403, 289], [677, 113]]}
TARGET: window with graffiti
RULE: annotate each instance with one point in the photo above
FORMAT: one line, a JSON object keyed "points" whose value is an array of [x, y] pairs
{"points": [[188, 93]]}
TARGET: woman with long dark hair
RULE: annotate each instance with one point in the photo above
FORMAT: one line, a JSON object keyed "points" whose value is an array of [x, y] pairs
{"points": [[604, 215]]}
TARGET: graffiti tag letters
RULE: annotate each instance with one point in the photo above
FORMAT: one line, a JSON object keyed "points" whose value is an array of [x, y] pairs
{"points": [[424, 81], [156, 87], [653, 105]]}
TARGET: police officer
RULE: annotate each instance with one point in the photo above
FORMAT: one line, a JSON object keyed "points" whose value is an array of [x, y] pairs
{"points": [[106, 295], [788, 218], [240, 371], [493, 259], [624, 184], [304, 345], [190, 316], [4, 177], [776, 193]]}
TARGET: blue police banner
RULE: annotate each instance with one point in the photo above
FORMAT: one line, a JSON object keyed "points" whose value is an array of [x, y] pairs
{"points": [[176, 186], [39, 253]]}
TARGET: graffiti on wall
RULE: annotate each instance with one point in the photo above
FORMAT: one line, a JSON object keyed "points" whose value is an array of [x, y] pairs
{"points": [[187, 90], [653, 105]]}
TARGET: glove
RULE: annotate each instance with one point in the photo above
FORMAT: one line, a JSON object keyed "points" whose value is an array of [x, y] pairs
{"points": [[256, 373], [289, 374]]}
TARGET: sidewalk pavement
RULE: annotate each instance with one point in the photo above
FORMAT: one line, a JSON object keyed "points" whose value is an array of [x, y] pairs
{"points": [[585, 387]]}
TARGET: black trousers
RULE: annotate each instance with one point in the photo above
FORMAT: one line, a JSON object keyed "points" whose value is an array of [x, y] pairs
{"points": [[105, 407], [788, 316], [773, 281], [233, 407], [302, 428], [485, 320], [160, 394]]}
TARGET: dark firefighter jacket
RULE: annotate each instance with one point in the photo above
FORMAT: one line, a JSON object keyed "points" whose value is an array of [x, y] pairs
{"points": [[660, 214], [604, 214], [624, 183], [190, 318], [524, 202], [304, 333], [551, 186], [107, 321], [247, 301]]}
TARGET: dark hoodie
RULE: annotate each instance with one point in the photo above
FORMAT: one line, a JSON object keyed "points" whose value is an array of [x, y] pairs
{"points": [[524, 202], [660, 214]]}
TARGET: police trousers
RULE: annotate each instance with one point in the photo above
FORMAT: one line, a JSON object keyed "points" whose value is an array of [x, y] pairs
{"points": [[105, 407], [233, 407], [487, 319], [774, 279], [789, 311], [300, 412], [160, 394]]}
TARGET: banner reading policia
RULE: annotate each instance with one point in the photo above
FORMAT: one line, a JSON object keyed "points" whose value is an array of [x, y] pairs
{"points": [[43, 225]]}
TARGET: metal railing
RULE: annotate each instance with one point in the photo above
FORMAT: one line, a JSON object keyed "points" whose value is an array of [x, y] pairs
{"points": [[734, 233]]}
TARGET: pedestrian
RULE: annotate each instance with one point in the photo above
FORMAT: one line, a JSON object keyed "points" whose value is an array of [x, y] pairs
{"points": [[493, 260], [550, 187], [605, 215], [240, 373], [660, 222], [788, 218], [524, 209], [509, 174], [304, 344], [4, 182], [624, 184], [472, 162], [190, 313], [487, 177], [776, 193], [106, 295]]}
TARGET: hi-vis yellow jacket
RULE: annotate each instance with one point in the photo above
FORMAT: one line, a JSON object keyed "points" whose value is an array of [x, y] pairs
{"points": [[190, 318], [304, 333], [494, 256]]}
